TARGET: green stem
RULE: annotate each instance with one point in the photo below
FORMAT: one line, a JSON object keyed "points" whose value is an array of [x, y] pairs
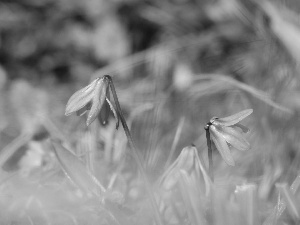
{"points": [[135, 152], [211, 174], [210, 160]]}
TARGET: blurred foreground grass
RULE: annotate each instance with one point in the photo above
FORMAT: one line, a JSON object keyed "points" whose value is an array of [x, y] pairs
{"points": [[175, 65]]}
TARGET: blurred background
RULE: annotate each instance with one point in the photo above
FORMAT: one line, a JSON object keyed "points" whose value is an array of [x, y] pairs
{"points": [[175, 65]]}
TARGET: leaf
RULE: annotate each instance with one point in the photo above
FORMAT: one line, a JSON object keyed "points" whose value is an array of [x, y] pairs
{"points": [[234, 138], [281, 206], [221, 145], [200, 167], [283, 27], [76, 171], [194, 207], [289, 199], [246, 197], [233, 119], [13, 147]]}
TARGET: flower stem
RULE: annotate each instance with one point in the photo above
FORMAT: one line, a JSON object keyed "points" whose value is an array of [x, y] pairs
{"points": [[210, 173], [135, 153], [210, 160]]}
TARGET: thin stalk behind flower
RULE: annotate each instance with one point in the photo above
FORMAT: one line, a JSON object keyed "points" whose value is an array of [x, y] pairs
{"points": [[135, 152], [210, 160]]}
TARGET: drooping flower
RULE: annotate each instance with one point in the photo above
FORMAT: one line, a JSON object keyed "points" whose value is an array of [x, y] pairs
{"points": [[94, 98], [224, 132]]}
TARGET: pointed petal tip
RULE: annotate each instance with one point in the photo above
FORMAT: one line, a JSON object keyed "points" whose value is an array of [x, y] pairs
{"points": [[90, 119], [68, 111], [248, 111], [233, 119], [88, 122]]}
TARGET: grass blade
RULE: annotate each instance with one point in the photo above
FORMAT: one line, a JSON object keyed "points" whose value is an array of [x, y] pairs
{"points": [[246, 196], [12, 147], [77, 171], [289, 199], [279, 209], [189, 193], [247, 88]]}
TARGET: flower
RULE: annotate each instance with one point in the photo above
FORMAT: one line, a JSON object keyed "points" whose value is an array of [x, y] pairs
{"points": [[190, 162], [94, 98], [224, 132]]}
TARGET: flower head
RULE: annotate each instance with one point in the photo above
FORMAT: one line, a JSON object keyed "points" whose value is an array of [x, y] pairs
{"points": [[224, 132], [93, 98]]}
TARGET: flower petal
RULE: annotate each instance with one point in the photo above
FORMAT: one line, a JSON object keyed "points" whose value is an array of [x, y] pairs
{"points": [[99, 97], [221, 145], [185, 161], [104, 112], [82, 111], [80, 98], [242, 127], [114, 112], [233, 119], [234, 138]]}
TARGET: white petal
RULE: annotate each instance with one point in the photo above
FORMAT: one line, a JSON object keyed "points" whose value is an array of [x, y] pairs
{"points": [[221, 145], [233, 119], [80, 98], [99, 97], [234, 138]]}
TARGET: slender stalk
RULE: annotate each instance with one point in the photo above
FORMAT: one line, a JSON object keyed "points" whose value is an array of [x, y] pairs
{"points": [[210, 172], [135, 152], [209, 152]]}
